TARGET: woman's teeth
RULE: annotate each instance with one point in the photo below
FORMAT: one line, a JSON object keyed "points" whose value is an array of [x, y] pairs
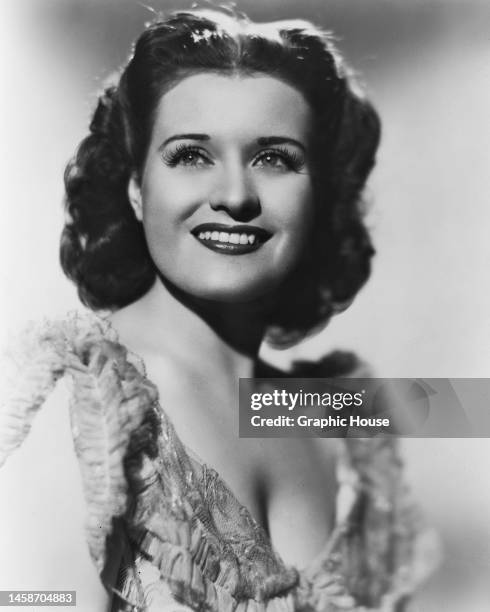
{"points": [[231, 237]]}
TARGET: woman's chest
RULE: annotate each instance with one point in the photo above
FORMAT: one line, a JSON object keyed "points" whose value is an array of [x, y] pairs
{"points": [[287, 485]]}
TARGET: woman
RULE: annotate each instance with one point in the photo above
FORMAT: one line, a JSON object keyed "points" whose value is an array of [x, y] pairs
{"points": [[215, 204]]}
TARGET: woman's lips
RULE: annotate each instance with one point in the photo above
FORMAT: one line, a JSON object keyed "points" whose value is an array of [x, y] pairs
{"points": [[231, 239]]}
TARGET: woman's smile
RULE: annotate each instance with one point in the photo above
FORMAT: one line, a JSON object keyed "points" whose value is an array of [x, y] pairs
{"points": [[232, 239], [225, 195]]}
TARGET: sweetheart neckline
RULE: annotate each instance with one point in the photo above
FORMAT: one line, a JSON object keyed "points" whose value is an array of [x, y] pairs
{"points": [[110, 332]]}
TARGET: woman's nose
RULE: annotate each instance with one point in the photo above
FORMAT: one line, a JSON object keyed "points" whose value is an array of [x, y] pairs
{"points": [[236, 194]]}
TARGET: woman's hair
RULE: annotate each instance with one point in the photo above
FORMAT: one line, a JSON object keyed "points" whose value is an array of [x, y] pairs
{"points": [[103, 248]]}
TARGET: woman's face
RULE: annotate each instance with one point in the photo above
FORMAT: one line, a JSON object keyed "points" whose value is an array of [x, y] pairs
{"points": [[226, 191]]}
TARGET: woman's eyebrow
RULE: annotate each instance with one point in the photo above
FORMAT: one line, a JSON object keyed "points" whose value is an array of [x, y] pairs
{"points": [[184, 137], [264, 141]]}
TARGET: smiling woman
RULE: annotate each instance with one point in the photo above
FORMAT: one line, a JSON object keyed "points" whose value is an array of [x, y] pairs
{"points": [[215, 204], [226, 151]]}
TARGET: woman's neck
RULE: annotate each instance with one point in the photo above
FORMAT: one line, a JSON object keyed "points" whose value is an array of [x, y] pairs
{"points": [[222, 338]]}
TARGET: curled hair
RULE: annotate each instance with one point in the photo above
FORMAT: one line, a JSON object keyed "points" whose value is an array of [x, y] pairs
{"points": [[103, 248]]}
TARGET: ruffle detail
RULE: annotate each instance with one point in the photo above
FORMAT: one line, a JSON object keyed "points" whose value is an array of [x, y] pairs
{"points": [[109, 403], [31, 365], [380, 551]]}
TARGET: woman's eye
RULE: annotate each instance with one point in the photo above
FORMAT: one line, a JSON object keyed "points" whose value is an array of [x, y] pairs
{"points": [[279, 160], [192, 158], [185, 156]]}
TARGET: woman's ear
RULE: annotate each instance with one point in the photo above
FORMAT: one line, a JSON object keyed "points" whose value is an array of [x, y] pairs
{"points": [[134, 195]]}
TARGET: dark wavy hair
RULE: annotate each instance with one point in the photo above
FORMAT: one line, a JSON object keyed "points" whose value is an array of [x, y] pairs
{"points": [[103, 248]]}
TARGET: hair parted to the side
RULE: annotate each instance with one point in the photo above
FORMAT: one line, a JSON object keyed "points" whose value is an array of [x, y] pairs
{"points": [[103, 248]]}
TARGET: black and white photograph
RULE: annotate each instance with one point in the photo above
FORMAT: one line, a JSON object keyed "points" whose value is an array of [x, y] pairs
{"points": [[205, 200]]}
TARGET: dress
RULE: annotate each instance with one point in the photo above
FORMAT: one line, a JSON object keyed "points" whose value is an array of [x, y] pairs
{"points": [[172, 519]]}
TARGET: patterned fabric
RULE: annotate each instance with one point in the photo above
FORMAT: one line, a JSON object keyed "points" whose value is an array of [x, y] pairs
{"points": [[173, 520]]}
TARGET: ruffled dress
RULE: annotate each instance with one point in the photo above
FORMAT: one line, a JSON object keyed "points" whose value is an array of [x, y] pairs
{"points": [[169, 519]]}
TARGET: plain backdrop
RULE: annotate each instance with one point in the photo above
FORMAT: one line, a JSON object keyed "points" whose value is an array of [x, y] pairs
{"points": [[425, 310]]}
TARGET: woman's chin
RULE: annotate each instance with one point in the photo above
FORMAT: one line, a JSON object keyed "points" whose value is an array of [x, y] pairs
{"points": [[239, 295], [230, 293]]}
